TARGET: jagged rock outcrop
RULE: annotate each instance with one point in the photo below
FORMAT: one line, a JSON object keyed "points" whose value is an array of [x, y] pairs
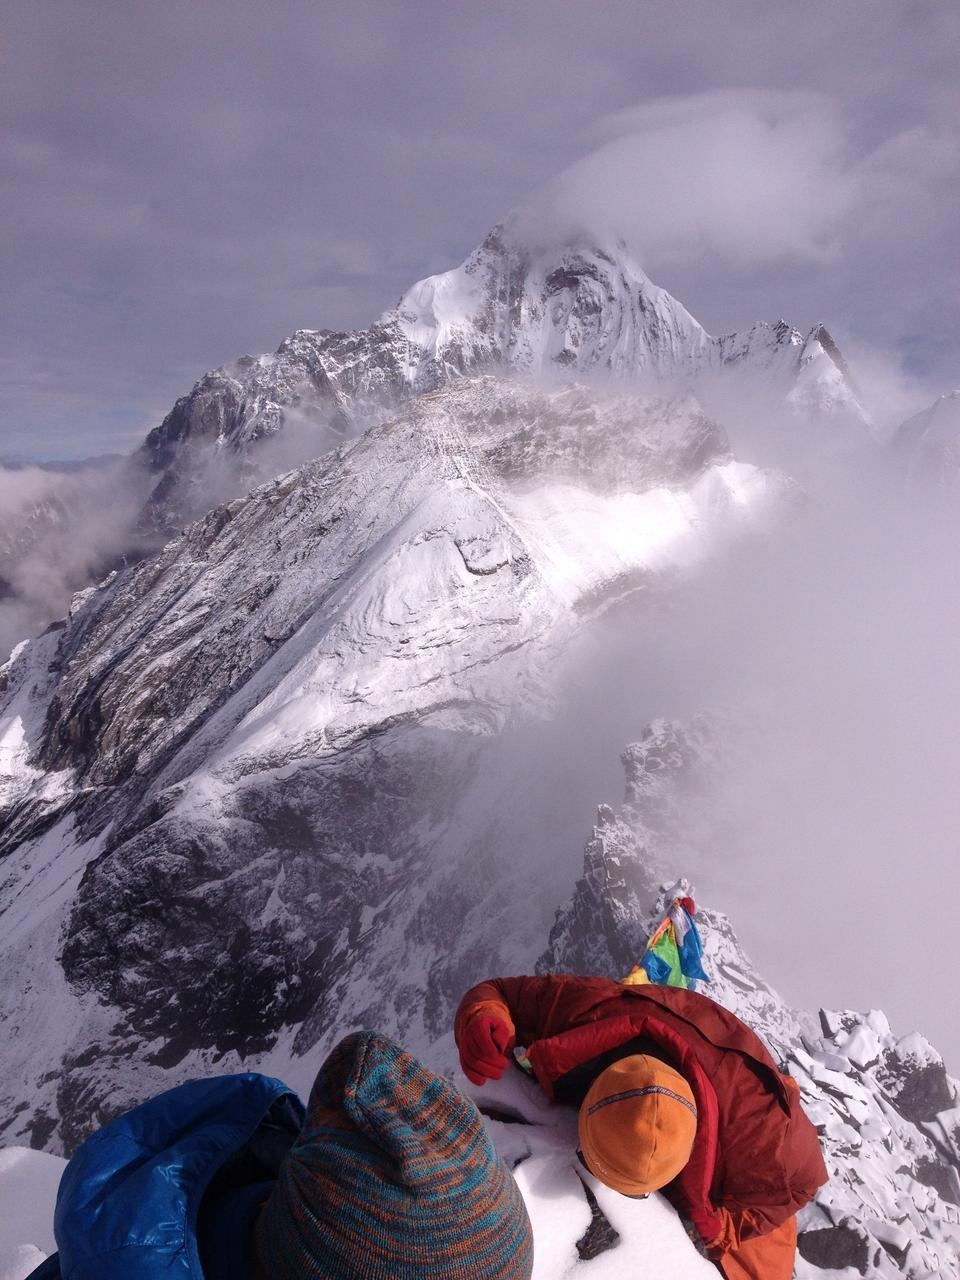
{"points": [[887, 1113], [213, 444]]}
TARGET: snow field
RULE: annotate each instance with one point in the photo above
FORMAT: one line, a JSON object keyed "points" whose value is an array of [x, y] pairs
{"points": [[28, 1191]]}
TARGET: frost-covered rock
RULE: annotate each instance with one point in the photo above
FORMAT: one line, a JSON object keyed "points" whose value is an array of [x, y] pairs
{"points": [[885, 1108], [224, 436]]}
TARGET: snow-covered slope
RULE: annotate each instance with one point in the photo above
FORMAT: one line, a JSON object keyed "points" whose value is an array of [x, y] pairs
{"points": [[549, 311], [251, 778]]}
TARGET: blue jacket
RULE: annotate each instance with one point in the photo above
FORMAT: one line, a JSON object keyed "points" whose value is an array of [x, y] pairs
{"points": [[129, 1203]]}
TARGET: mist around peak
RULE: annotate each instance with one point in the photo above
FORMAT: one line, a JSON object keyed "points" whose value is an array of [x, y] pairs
{"points": [[750, 175], [60, 530], [826, 650]]}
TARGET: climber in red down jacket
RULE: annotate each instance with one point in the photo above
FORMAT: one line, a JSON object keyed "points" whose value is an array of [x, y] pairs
{"points": [[674, 1093]]}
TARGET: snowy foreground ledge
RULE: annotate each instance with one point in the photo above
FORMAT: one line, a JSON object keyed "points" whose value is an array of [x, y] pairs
{"points": [[28, 1191], [533, 1136]]}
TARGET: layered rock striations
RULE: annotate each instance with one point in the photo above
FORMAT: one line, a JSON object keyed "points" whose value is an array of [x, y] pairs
{"points": [[248, 785]]}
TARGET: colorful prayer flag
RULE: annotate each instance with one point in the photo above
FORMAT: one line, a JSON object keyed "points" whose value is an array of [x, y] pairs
{"points": [[673, 954]]}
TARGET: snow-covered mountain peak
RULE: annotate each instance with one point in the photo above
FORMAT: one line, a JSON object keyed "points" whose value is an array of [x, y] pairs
{"points": [[486, 500], [522, 303], [541, 306], [292, 717], [930, 441]]}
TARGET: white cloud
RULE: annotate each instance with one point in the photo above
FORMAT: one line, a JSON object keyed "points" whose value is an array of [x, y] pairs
{"points": [[753, 175]]}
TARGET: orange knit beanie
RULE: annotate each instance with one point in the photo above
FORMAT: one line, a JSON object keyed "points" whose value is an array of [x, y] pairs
{"points": [[637, 1125]]}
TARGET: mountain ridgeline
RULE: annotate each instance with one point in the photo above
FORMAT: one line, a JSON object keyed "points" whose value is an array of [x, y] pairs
{"points": [[579, 310], [272, 781]]}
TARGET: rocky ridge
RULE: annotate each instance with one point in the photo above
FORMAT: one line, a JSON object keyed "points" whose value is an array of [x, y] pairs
{"points": [[887, 1113]]}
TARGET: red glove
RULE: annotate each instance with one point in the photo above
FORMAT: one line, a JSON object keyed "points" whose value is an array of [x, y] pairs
{"points": [[484, 1046]]}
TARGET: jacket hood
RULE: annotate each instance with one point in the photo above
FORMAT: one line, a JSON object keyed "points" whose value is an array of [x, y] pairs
{"points": [[128, 1200]]}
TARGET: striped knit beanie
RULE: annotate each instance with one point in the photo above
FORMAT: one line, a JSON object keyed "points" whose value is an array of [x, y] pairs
{"points": [[393, 1177], [637, 1125]]}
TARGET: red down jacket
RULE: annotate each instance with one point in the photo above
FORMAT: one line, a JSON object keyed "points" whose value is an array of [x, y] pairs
{"points": [[756, 1159]]}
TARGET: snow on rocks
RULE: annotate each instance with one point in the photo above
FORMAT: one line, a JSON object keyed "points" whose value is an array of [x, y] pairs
{"points": [[466, 528], [560, 311], [885, 1109], [862, 1047]]}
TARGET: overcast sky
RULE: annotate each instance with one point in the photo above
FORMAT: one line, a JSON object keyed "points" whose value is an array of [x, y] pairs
{"points": [[187, 182]]}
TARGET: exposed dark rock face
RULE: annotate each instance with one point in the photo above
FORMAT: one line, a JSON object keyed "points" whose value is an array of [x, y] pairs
{"points": [[926, 1091], [600, 1236], [943, 1176], [218, 934], [604, 927], [833, 1248], [822, 335]]}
